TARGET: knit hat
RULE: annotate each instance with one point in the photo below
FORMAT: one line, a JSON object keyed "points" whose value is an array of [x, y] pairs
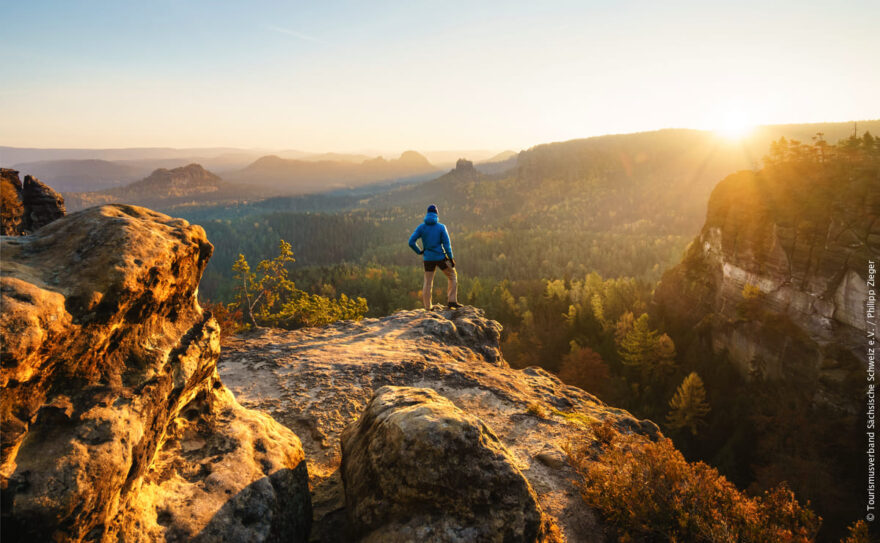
{"points": [[432, 208]]}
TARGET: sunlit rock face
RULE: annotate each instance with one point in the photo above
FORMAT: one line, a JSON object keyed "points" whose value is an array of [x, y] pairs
{"points": [[783, 295], [116, 426], [506, 426]]}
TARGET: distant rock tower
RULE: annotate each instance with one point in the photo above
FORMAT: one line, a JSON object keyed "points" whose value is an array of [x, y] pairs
{"points": [[464, 166]]}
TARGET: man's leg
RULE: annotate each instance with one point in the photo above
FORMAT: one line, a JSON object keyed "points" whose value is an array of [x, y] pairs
{"points": [[426, 289], [452, 285]]}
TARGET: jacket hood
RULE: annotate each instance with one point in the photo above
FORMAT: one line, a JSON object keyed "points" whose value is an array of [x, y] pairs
{"points": [[431, 218]]}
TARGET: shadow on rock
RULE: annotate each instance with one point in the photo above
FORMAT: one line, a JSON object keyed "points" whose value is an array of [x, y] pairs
{"points": [[264, 509]]}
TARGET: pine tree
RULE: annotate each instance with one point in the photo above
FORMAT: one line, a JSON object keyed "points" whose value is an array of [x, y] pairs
{"points": [[689, 405], [642, 348]]}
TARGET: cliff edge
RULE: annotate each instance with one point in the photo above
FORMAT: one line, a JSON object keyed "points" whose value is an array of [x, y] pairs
{"points": [[777, 277]]}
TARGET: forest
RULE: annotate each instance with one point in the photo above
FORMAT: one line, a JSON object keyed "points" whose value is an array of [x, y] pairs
{"points": [[567, 259]]}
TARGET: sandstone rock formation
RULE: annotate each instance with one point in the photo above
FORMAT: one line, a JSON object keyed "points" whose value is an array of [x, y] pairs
{"points": [[417, 468], [116, 426], [42, 205], [775, 283], [319, 381], [28, 206], [463, 165]]}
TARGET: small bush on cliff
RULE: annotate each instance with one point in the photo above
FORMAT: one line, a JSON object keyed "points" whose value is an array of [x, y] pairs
{"points": [[269, 298], [649, 492], [228, 316]]}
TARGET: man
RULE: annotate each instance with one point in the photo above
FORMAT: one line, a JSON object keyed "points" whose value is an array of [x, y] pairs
{"points": [[436, 252]]}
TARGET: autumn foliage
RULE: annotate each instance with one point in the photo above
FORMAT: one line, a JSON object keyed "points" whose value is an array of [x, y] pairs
{"points": [[649, 492], [584, 368]]}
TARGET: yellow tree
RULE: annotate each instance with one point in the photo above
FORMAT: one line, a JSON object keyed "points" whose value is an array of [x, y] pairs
{"points": [[642, 348], [688, 406]]}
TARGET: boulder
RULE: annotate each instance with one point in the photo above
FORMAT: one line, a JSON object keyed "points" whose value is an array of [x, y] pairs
{"points": [[417, 468], [116, 426]]}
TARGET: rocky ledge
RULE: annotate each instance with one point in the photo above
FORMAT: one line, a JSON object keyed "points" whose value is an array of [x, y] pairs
{"points": [[464, 427], [116, 426]]}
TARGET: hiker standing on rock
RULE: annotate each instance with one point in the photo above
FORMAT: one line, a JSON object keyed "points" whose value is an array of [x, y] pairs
{"points": [[436, 252]]}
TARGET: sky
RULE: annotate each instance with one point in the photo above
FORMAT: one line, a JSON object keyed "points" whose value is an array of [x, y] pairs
{"points": [[424, 75]]}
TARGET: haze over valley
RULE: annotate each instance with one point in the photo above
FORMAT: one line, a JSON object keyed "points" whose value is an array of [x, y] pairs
{"points": [[656, 225]]}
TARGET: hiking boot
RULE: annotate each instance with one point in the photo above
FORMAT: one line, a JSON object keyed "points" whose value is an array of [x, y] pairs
{"points": [[453, 305]]}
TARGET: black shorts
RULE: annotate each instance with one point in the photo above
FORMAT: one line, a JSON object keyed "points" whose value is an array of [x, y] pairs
{"points": [[431, 264]]}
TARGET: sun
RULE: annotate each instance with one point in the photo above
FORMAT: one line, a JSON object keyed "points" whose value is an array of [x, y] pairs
{"points": [[735, 125]]}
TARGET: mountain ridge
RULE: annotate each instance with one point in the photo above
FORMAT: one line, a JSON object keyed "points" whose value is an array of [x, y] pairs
{"points": [[298, 175]]}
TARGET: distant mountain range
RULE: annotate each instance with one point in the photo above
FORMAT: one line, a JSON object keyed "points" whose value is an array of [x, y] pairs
{"points": [[295, 172], [295, 176], [193, 184]]}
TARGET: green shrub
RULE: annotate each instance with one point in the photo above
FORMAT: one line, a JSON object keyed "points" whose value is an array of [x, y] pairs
{"points": [[269, 298]]}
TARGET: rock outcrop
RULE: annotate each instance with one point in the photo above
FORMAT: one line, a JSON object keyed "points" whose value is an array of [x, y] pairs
{"points": [[417, 468], [777, 276], [116, 426], [464, 166], [319, 381], [28, 206]]}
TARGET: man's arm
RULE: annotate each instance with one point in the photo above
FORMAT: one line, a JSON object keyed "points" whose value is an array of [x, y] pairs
{"points": [[412, 240], [447, 244]]}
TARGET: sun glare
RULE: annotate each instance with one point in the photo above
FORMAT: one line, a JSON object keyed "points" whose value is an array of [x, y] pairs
{"points": [[735, 125]]}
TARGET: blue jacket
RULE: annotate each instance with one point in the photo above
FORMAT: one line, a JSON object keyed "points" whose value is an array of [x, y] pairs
{"points": [[435, 239]]}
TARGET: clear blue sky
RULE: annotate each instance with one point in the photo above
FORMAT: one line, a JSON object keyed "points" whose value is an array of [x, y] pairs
{"points": [[427, 75]]}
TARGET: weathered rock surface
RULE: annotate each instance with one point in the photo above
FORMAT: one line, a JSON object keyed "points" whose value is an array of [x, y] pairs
{"points": [[319, 381], [116, 426], [417, 468], [28, 206], [804, 265]]}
